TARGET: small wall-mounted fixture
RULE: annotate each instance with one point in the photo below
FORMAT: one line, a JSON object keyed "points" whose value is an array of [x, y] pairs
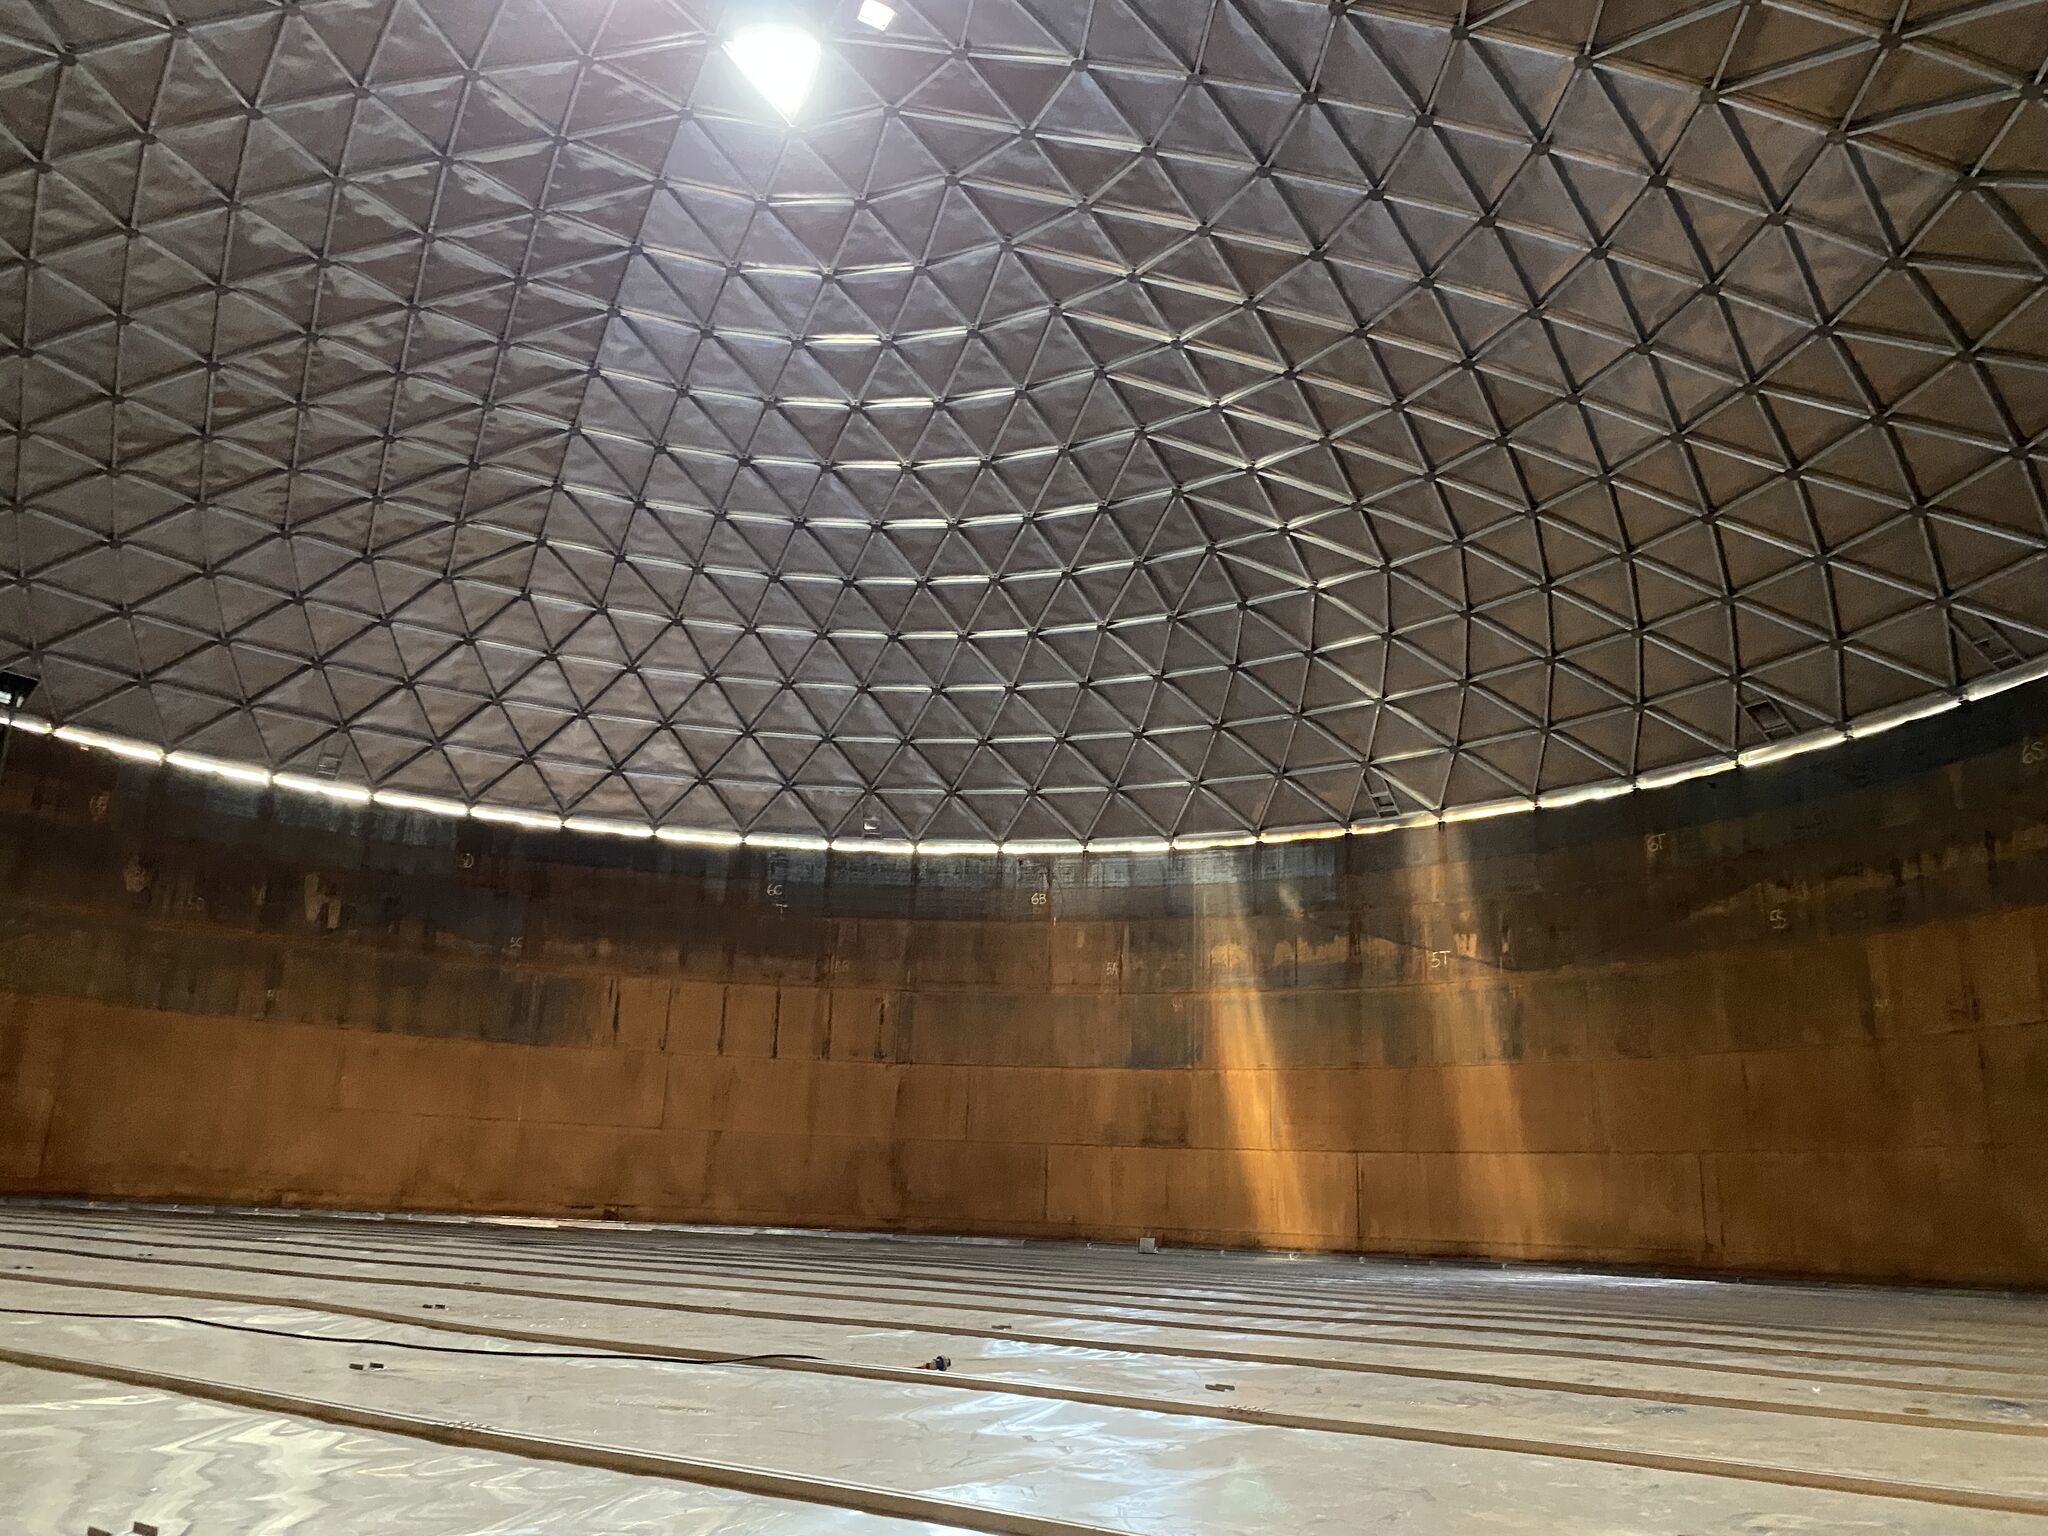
{"points": [[15, 688]]}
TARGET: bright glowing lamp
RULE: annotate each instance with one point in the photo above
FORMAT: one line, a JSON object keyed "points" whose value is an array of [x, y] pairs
{"points": [[779, 60]]}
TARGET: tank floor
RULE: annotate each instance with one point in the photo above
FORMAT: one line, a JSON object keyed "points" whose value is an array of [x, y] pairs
{"points": [[214, 1374]]}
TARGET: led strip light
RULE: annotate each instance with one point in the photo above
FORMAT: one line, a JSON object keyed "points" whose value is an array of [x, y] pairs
{"points": [[498, 815]]}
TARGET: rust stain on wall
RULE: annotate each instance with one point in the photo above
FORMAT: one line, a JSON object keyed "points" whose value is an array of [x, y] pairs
{"points": [[1786, 1039]]}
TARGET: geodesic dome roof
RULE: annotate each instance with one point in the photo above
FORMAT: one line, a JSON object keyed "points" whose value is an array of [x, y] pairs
{"points": [[1089, 418]]}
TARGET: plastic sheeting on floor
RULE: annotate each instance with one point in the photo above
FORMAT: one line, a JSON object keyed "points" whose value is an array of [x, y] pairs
{"points": [[272, 1373]]}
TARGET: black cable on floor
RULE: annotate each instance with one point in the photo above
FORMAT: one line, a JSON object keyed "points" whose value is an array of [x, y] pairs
{"points": [[434, 1349]]}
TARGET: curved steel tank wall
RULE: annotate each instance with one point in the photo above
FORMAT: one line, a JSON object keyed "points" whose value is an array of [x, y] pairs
{"points": [[1786, 1020]]}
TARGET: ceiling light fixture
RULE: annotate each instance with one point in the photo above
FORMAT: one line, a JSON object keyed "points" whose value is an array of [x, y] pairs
{"points": [[877, 15], [777, 53]]}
